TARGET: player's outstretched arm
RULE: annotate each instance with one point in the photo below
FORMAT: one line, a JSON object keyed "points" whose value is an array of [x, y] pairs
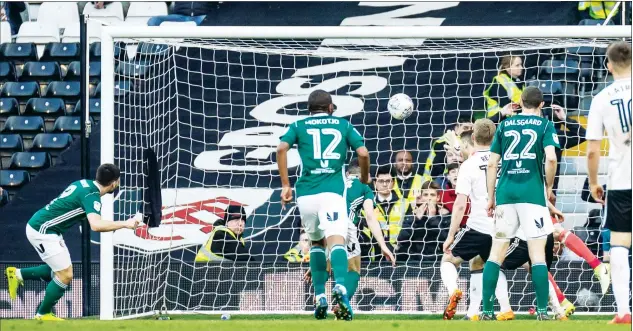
{"points": [[374, 227], [459, 208], [491, 180], [99, 225], [550, 170], [363, 161], [282, 165]]}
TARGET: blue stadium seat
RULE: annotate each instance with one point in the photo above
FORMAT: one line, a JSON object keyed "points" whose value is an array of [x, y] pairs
{"points": [[69, 124], [22, 91], [9, 107], [4, 198], [48, 108], [152, 52], [122, 88], [552, 90], [42, 72], [13, 180], [559, 70], [7, 72], [9, 144], [96, 92], [74, 72], [53, 143], [94, 105], [69, 91], [120, 51], [64, 53], [31, 161], [26, 125], [18, 52], [127, 70]]}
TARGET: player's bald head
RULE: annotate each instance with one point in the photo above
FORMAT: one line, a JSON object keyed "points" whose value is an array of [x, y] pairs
{"points": [[483, 132], [319, 101]]}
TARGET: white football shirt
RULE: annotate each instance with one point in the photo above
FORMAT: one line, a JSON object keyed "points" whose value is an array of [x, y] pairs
{"points": [[611, 111], [471, 181]]}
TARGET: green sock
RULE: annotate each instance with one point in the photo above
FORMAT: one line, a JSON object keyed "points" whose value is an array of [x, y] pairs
{"points": [[54, 291], [318, 268], [42, 272], [351, 283], [541, 286], [338, 259], [490, 278]]}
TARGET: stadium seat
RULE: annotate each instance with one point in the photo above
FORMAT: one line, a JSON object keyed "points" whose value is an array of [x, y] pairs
{"points": [[26, 125], [42, 72], [69, 91], [112, 14], [68, 124], [71, 34], [31, 161], [5, 32], [9, 107], [141, 12], [94, 106], [64, 53], [37, 32], [4, 198], [7, 72], [53, 143], [559, 70], [134, 69], [96, 93], [74, 72], [51, 107], [18, 53], [14, 179], [552, 91], [62, 14], [122, 88], [9, 144], [22, 91], [119, 51], [150, 52]]}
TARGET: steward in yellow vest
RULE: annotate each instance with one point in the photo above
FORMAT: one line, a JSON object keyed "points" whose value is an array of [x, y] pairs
{"points": [[226, 241], [598, 10], [301, 251], [505, 89]]}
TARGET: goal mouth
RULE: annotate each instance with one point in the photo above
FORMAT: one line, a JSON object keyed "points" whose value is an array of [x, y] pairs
{"points": [[211, 103]]}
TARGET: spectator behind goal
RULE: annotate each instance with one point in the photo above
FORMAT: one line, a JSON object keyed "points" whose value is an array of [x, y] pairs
{"points": [[226, 241], [185, 11], [503, 95]]}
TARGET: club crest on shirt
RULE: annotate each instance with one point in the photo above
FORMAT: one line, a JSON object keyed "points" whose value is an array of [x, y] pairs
{"points": [[97, 206]]}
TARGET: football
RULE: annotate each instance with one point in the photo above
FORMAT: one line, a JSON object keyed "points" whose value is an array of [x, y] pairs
{"points": [[400, 106]]}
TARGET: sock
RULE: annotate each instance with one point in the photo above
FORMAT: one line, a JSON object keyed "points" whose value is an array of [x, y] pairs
{"points": [[42, 272], [318, 268], [351, 283], [338, 259], [577, 246], [559, 294], [501, 292], [490, 278], [448, 273], [553, 299], [474, 293], [620, 277], [54, 291], [539, 278]]}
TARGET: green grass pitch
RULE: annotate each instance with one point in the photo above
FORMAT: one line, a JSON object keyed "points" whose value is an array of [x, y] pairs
{"points": [[306, 322]]}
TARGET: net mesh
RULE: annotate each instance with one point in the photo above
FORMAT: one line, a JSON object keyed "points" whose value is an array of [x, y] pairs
{"points": [[212, 112]]}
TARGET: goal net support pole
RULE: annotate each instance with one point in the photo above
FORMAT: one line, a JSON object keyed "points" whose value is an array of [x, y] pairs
{"points": [[449, 34]]}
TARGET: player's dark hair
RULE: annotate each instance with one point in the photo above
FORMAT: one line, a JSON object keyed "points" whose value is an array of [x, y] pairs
{"points": [[319, 101], [452, 166], [467, 137], [384, 170], [619, 54], [465, 118], [532, 97], [107, 173], [484, 131], [354, 167], [430, 185]]}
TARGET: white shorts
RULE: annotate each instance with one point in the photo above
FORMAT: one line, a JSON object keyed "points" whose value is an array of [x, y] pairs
{"points": [[51, 248], [323, 215], [533, 219], [353, 246]]}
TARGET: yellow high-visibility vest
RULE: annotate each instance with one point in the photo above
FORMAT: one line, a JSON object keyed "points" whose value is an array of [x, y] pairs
{"points": [[392, 224], [294, 255], [598, 10], [206, 255], [513, 93]]}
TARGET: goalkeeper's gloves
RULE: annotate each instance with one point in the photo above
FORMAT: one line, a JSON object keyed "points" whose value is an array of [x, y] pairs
{"points": [[451, 140]]}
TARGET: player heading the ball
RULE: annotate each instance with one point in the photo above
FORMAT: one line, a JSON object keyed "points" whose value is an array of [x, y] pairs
{"points": [[522, 143], [323, 141], [44, 231]]}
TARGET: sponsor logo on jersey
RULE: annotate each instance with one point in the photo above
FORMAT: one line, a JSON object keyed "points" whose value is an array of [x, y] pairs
{"points": [[97, 206], [539, 223], [332, 217]]}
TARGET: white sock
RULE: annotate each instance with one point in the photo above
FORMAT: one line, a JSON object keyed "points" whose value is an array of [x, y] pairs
{"points": [[448, 272], [620, 276], [475, 293], [553, 300], [18, 275], [501, 292]]}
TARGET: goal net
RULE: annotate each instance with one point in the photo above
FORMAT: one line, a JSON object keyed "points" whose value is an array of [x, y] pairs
{"points": [[196, 115]]}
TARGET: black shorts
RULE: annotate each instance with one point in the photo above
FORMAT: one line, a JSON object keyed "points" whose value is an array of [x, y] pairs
{"points": [[518, 253], [618, 218], [470, 243]]}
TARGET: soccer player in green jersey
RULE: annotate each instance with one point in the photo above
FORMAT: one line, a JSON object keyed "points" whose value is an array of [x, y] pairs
{"points": [[323, 141], [526, 146], [45, 229]]}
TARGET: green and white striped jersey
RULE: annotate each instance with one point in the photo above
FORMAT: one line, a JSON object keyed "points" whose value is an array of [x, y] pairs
{"points": [[356, 195], [78, 200]]}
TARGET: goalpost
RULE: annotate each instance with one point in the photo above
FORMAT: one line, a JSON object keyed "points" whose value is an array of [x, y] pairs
{"points": [[211, 102]]}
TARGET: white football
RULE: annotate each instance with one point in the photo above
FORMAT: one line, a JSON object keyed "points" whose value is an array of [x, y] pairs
{"points": [[400, 106]]}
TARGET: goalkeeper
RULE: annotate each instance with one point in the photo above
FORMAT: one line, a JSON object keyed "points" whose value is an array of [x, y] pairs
{"points": [[44, 230], [360, 199]]}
